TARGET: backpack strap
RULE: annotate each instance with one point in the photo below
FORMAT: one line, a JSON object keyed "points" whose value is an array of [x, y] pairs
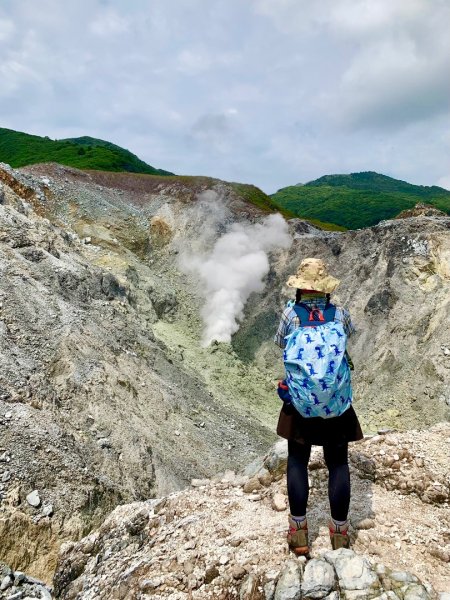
{"points": [[329, 312], [309, 317], [302, 311]]}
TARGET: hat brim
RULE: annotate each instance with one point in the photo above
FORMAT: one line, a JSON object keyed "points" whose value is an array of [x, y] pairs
{"points": [[327, 285]]}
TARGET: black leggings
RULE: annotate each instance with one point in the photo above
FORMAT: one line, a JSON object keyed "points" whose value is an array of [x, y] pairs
{"points": [[336, 459]]}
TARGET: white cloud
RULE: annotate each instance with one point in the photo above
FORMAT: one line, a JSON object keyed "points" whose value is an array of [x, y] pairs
{"points": [[267, 91], [392, 83], [362, 18], [444, 182], [6, 29], [295, 16], [109, 22], [193, 62], [391, 58]]}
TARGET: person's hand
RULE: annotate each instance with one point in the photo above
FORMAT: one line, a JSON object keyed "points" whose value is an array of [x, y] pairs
{"points": [[283, 392], [349, 360]]}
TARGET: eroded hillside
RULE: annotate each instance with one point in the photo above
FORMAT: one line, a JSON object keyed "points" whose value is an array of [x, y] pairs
{"points": [[106, 393], [395, 278], [95, 408]]}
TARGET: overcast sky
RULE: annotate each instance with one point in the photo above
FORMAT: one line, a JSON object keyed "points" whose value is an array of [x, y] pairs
{"points": [[270, 92]]}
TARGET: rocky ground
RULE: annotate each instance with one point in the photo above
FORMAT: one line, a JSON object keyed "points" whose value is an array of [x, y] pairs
{"points": [[225, 538], [419, 210], [16, 585], [106, 395], [94, 408]]}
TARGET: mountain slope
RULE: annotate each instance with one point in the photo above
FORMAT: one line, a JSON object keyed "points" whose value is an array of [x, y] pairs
{"points": [[106, 394], [20, 149], [357, 200]]}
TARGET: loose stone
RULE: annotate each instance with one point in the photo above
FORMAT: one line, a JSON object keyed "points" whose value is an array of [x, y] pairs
{"points": [[33, 499], [318, 579], [288, 586], [279, 502]]}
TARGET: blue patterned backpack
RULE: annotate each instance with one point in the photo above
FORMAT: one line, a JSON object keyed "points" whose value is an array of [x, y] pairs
{"points": [[317, 370]]}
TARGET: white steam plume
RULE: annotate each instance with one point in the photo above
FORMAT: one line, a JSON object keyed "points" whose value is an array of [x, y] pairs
{"points": [[235, 268]]}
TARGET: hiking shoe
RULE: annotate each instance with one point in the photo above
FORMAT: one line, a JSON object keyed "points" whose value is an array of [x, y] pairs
{"points": [[339, 535], [297, 537]]}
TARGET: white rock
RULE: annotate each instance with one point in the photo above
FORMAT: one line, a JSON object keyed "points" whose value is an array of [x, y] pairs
{"points": [[228, 477], [6, 583], [151, 584], [318, 579], [288, 586], [47, 511], [247, 588], [253, 497], [269, 590], [354, 572], [279, 502], [199, 482], [33, 499], [403, 577], [415, 591]]}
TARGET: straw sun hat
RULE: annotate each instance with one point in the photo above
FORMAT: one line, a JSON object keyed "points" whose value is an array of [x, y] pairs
{"points": [[312, 274]]}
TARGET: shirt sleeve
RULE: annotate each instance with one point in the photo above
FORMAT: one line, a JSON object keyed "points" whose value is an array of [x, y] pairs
{"points": [[349, 328], [282, 329]]}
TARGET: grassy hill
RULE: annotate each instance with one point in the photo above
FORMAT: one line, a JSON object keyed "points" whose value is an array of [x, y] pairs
{"points": [[20, 149], [255, 196], [357, 200]]}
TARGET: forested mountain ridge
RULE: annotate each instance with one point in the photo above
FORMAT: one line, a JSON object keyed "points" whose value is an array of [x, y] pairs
{"points": [[20, 149], [358, 200]]}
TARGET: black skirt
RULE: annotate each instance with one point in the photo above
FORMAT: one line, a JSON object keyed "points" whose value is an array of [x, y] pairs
{"points": [[318, 431]]}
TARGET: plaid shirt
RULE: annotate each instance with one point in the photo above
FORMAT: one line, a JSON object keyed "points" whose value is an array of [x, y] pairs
{"points": [[289, 320]]}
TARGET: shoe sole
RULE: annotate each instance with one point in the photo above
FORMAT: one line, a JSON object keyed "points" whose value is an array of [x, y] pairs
{"points": [[300, 550]]}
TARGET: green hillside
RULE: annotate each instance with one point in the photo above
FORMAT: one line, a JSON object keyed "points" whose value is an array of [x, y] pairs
{"points": [[254, 195], [357, 200], [20, 149]]}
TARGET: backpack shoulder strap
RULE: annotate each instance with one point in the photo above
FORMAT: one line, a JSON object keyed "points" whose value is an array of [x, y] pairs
{"points": [[302, 311], [329, 312]]}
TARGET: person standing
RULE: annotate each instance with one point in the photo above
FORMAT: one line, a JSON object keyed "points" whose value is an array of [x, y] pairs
{"points": [[317, 398]]}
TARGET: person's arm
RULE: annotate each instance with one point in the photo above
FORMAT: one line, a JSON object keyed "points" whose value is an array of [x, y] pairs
{"points": [[349, 328], [282, 330]]}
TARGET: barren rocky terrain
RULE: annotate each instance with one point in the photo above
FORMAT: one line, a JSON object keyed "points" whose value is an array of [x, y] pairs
{"points": [[107, 396], [225, 538]]}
